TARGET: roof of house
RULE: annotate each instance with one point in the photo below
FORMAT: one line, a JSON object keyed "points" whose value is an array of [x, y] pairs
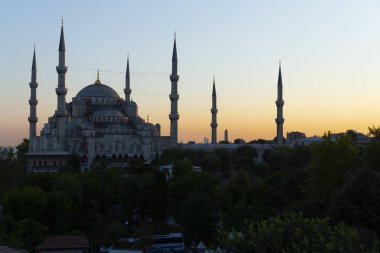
{"points": [[6, 249], [63, 241]]}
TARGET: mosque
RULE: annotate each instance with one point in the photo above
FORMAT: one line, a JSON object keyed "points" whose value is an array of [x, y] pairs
{"points": [[101, 127], [97, 125]]}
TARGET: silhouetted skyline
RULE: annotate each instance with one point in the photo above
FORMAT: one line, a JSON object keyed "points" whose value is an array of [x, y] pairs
{"points": [[329, 52]]}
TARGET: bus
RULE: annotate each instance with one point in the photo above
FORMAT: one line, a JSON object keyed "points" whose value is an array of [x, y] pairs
{"points": [[172, 242]]}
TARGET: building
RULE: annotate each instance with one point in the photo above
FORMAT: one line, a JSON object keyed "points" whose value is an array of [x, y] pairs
{"points": [[6, 249], [97, 125], [64, 244], [293, 136]]}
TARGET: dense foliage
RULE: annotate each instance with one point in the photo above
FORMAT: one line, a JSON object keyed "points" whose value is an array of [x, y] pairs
{"points": [[319, 198]]}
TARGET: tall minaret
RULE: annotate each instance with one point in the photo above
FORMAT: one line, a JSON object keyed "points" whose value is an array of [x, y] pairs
{"points": [[127, 90], [279, 103], [226, 136], [174, 116], [61, 70], [33, 100], [214, 111]]}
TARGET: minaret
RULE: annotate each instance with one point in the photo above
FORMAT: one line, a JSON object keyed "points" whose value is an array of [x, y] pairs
{"points": [[214, 111], [226, 136], [279, 103], [127, 90], [33, 100], [174, 116], [61, 70]]}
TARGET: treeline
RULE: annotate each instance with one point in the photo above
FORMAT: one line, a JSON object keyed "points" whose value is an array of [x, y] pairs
{"points": [[319, 198]]}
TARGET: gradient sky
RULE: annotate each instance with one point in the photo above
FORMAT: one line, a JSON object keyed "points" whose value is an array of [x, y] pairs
{"points": [[329, 52]]}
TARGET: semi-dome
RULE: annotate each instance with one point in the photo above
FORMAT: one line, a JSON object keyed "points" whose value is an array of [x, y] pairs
{"points": [[131, 104], [107, 112], [98, 90]]}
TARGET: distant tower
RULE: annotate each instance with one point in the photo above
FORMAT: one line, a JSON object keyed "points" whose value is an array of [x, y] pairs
{"points": [[279, 103], [174, 116], [226, 136], [214, 111], [61, 70], [127, 90], [33, 100]]}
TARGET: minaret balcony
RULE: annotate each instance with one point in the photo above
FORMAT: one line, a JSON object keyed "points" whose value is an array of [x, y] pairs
{"points": [[32, 119], [61, 69], [33, 85], [174, 116], [174, 78], [214, 125], [214, 110], [33, 101], [61, 91], [280, 121], [174, 97], [280, 102], [127, 91]]}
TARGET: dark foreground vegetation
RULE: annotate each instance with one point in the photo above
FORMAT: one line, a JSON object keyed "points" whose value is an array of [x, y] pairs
{"points": [[319, 198]]}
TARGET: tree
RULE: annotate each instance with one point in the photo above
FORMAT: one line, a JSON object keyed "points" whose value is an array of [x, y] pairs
{"points": [[371, 152], [22, 148], [182, 167], [199, 217], [24, 203], [374, 132], [27, 234], [158, 198], [262, 170], [357, 202], [11, 175], [211, 163], [302, 155], [7, 154], [331, 161], [280, 158], [72, 164], [294, 233], [239, 141], [244, 157], [113, 232], [182, 188]]}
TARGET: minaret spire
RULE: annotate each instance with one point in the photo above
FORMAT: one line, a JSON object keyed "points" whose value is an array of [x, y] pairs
{"points": [[279, 103], [61, 70], [33, 99], [214, 111], [174, 116], [127, 90], [62, 40]]}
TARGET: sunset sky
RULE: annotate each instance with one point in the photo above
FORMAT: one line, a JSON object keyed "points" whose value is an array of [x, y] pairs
{"points": [[329, 52]]}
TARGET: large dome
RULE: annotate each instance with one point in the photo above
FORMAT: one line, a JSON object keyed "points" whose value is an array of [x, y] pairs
{"points": [[107, 112], [98, 90]]}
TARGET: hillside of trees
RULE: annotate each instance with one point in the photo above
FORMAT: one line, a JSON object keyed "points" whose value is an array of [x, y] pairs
{"points": [[324, 197]]}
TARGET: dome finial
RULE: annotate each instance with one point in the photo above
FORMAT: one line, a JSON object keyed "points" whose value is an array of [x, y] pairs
{"points": [[97, 78]]}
